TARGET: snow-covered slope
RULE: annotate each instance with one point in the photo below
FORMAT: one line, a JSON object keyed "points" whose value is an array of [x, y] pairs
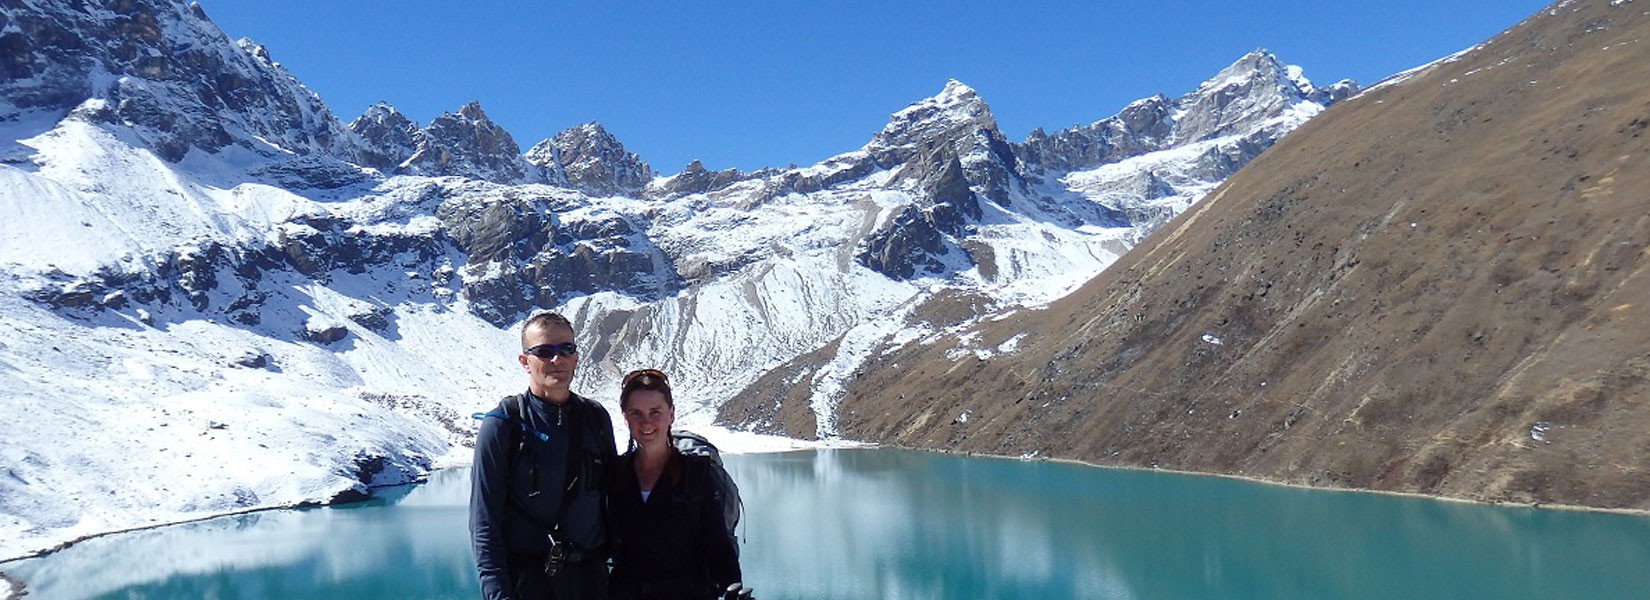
{"points": [[215, 297]]}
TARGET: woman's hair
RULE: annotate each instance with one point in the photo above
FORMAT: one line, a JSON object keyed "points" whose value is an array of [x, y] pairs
{"points": [[645, 379]]}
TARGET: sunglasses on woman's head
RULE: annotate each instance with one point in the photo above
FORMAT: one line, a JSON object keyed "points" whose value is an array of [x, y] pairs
{"points": [[547, 351], [631, 376]]}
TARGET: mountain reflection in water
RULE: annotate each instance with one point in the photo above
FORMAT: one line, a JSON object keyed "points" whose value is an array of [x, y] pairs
{"points": [[878, 523]]}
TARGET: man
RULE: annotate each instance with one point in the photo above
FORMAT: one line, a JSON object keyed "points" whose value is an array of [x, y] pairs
{"points": [[538, 492]]}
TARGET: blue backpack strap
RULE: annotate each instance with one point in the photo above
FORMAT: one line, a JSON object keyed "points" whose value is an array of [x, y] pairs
{"points": [[492, 414]]}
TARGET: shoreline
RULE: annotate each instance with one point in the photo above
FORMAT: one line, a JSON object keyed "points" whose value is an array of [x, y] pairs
{"points": [[66, 544], [733, 448], [1635, 512]]}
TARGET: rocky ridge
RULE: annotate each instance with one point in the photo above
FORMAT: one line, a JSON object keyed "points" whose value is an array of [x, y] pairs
{"points": [[166, 72], [928, 197]]}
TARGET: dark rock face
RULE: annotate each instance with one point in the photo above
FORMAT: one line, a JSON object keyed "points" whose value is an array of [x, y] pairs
{"points": [[310, 172], [855, 169], [389, 136], [522, 255], [468, 144], [376, 318], [593, 160], [257, 359], [510, 229], [912, 244], [316, 245], [919, 238], [996, 170], [174, 84], [592, 257], [1142, 127], [227, 282], [325, 333]]}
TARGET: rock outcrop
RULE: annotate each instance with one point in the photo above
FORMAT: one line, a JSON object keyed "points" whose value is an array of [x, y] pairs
{"points": [[594, 161], [389, 136], [468, 144]]}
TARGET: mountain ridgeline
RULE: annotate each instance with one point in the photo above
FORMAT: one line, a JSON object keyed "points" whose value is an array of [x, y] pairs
{"points": [[1438, 286], [938, 196]]}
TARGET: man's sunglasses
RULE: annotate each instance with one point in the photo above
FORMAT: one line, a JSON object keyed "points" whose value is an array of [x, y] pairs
{"points": [[548, 351]]}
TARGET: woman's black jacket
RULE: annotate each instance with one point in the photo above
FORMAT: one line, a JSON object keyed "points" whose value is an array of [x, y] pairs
{"points": [[677, 543]]}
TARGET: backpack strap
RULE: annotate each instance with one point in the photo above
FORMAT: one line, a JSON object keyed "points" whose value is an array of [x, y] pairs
{"points": [[504, 413]]}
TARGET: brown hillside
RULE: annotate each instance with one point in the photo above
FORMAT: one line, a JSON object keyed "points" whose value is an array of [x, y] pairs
{"points": [[1438, 286]]}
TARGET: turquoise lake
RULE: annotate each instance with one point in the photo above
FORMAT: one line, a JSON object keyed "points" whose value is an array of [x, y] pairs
{"points": [[880, 523]]}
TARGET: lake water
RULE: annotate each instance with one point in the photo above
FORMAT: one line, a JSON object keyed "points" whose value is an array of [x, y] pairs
{"points": [[879, 523]]}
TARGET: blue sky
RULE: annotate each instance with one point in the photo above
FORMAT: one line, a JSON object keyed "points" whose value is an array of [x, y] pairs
{"points": [[754, 84]]}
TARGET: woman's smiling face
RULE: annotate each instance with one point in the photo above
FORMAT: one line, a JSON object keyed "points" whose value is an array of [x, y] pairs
{"points": [[649, 416]]}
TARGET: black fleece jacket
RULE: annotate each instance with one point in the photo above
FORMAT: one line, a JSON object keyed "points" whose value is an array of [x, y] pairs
{"points": [[676, 544]]}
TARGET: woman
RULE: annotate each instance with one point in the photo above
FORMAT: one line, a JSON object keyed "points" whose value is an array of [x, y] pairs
{"points": [[672, 540]]}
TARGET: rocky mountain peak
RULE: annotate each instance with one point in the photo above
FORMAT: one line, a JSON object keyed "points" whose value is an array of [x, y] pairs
{"points": [[390, 136], [696, 179], [472, 111], [593, 161], [1253, 95], [957, 93], [1254, 88], [953, 114], [1338, 91], [1260, 65], [468, 144], [948, 152], [170, 75]]}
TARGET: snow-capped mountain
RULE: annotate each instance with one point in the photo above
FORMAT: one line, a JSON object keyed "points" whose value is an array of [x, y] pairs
{"points": [[261, 306], [167, 75]]}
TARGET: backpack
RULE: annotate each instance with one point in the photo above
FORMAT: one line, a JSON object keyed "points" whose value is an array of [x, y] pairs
{"points": [[693, 444], [513, 410]]}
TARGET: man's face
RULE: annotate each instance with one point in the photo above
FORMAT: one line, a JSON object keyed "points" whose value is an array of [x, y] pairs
{"points": [[548, 378]]}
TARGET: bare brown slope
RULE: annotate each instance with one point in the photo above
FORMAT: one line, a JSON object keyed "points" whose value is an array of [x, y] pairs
{"points": [[1402, 295]]}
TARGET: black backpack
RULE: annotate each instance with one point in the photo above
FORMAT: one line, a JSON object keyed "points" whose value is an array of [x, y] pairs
{"points": [[693, 444]]}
